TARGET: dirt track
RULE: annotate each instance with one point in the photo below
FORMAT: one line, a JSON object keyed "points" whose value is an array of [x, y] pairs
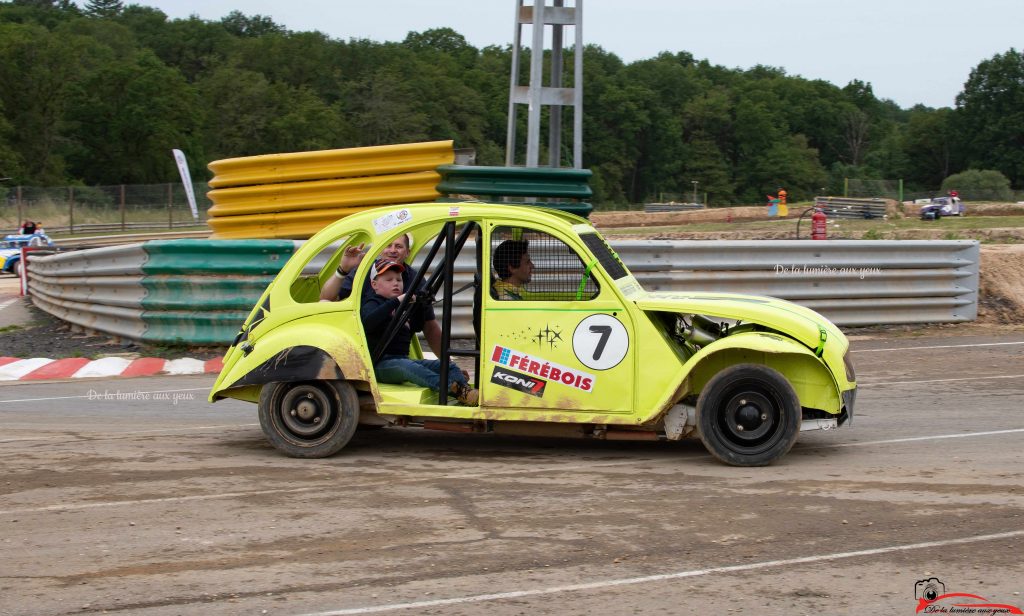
{"points": [[156, 507]]}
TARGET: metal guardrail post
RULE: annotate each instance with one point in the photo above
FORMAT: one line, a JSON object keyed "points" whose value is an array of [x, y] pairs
{"points": [[122, 207], [71, 209]]}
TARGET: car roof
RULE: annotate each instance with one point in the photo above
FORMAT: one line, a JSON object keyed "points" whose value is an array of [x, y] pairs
{"points": [[420, 212]]}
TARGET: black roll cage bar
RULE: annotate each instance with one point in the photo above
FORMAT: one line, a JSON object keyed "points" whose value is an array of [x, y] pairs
{"points": [[443, 275]]}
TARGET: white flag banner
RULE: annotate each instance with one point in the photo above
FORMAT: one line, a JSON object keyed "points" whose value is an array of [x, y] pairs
{"points": [[186, 179]]}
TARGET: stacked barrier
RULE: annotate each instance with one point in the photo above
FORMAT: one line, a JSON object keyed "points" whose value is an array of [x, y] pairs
{"points": [[199, 291], [849, 208], [571, 187], [295, 195]]}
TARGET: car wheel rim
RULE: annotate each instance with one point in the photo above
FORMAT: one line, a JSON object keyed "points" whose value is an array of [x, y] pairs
{"points": [[306, 411], [750, 420]]}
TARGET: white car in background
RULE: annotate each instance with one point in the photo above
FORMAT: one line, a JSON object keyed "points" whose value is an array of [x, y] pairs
{"points": [[943, 206]]}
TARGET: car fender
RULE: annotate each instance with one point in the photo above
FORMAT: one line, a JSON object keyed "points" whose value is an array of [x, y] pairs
{"points": [[10, 262], [810, 377], [8, 258], [299, 352]]}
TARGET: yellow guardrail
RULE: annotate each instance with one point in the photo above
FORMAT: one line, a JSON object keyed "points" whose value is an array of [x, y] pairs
{"points": [[293, 196], [331, 164], [300, 224]]}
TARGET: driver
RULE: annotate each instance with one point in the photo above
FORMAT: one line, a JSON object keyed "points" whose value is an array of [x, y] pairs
{"points": [[515, 269], [339, 285]]}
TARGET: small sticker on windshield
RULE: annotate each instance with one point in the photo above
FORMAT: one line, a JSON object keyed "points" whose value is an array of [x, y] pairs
{"points": [[391, 220]]}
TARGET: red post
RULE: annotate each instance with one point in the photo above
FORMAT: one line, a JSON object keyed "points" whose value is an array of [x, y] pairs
{"points": [[23, 270]]}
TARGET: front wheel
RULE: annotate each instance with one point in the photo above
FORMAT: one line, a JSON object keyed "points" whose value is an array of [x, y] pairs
{"points": [[748, 415], [309, 419]]}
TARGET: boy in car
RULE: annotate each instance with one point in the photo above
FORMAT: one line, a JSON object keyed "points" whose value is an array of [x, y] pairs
{"points": [[395, 365]]}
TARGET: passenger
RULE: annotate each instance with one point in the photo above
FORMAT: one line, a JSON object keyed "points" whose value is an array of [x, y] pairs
{"points": [[28, 227], [339, 285], [515, 269], [395, 366]]}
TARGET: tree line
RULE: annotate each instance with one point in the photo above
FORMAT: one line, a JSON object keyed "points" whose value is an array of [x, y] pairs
{"points": [[100, 94]]}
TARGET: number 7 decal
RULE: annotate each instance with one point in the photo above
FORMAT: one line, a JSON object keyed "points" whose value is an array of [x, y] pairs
{"points": [[604, 350], [605, 331]]}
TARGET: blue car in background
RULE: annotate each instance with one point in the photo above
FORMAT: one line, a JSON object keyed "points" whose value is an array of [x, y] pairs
{"points": [[10, 249]]}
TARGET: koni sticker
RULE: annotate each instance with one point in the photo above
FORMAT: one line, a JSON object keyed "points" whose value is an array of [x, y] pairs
{"points": [[519, 382], [538, 367], [391, 220]]}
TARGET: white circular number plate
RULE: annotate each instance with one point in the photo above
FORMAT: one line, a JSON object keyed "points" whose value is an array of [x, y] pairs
{"points": [[600, 341]]}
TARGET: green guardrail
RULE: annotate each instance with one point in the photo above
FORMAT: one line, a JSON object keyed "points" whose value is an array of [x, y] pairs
{"points": [[192, 327], [200, 291], [203, 292], [213, 257]]}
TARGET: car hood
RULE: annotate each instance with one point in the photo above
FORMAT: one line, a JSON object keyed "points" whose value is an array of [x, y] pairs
{"points": [[799, 322]]}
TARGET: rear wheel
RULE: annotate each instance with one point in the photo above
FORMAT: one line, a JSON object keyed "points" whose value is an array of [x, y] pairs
{"points": [[310, 419], [748, 415]]}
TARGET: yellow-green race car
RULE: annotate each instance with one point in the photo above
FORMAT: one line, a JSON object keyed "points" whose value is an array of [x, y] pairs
{"points": [[556, 334]]}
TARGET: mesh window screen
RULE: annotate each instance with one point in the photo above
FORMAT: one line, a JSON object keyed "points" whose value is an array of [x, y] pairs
{"points": [[605, 256], [558, 272]]}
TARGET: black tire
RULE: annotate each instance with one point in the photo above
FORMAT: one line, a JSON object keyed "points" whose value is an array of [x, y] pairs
{"points": [[16, 268], [748, 415], [309, 419]]}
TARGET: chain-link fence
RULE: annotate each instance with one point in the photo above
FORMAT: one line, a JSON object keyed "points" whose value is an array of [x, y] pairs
{"points": [[893, 189], [676, 197], [92, 209], [884, 189]]}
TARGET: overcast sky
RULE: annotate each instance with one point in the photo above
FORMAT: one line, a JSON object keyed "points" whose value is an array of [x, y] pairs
{"points": [[911, 51]]}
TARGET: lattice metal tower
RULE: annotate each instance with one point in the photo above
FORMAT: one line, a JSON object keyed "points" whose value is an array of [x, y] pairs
{"points": [[540, 14]]}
